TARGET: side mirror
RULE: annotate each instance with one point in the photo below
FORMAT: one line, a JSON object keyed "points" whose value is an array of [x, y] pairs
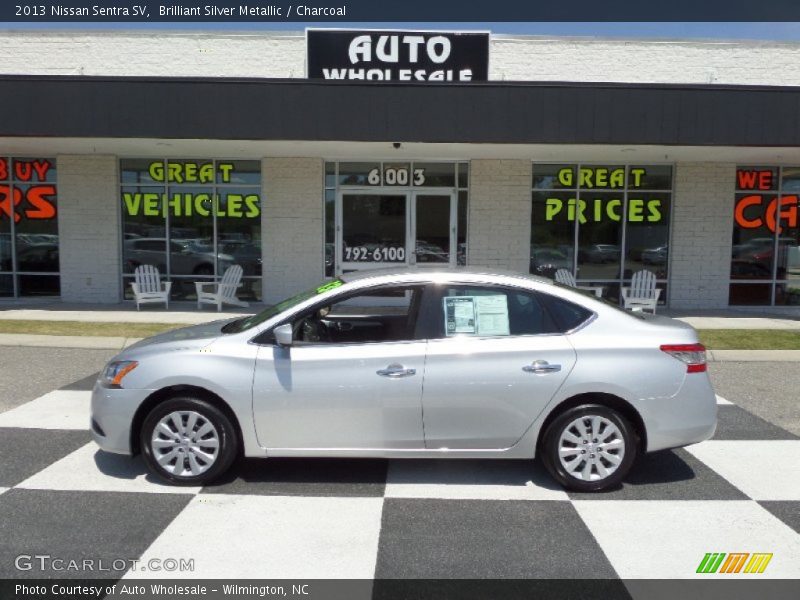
{"points": [[283, 334]]}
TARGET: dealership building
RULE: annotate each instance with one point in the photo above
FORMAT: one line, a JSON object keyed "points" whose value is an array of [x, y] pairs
{"points": [[301, 156]]}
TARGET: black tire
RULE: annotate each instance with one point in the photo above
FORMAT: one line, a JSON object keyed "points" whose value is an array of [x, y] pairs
{"points": [[226, 434], [550, 449]]}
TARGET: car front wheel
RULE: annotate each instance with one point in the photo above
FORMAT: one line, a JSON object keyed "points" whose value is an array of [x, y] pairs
{"points": [[589, 448], [188, 441]]}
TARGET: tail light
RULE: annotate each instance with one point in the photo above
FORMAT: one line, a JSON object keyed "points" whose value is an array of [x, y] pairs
{"points": [[693, 355]]}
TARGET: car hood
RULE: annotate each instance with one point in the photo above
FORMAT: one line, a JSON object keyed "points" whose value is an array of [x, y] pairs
{"points": [[187, 337]]}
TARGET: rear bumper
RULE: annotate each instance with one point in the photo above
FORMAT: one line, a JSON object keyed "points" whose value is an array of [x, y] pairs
{"points": [[112, 417], [688, 417]]}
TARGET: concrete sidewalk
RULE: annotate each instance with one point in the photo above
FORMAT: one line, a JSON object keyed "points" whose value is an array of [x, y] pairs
{"points": [[116, 313], [737, 321]]}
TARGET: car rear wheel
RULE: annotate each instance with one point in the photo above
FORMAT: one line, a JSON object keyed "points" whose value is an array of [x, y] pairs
{"points": [[589, 448], [188, 441]]}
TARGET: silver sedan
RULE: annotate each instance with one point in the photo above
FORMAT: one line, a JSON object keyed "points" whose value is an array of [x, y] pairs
{"points": [[432, 363]]}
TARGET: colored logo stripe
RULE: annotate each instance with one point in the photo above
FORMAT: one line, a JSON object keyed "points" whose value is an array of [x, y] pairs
{"points": [[758, 563], [734, 562], [713, 562]]}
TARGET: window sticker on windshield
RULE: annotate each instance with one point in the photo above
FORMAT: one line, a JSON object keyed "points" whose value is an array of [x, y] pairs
{"points": [[476, 315], [331, 285]]}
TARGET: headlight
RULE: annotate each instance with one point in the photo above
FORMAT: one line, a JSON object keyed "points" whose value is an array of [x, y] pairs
{"points": [[116, 371]]}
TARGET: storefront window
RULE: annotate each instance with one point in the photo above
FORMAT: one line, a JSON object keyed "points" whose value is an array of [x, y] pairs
{"points": [[192, 219], [602, 223], [394, 212], [29, 263], [765, 253]]}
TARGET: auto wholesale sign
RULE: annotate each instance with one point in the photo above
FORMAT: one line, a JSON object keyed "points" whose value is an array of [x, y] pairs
{"points": [[396, 55]]}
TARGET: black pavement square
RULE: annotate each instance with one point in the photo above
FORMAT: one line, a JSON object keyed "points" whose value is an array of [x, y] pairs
{"points": [[507, 589], [735, 423], [100, 526], [787, 511], [304, 477], [24, 452], [432, 539], [669, 475], [85, 384]]}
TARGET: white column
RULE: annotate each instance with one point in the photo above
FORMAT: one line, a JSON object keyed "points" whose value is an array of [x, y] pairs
{"points": [[499, 228], [702, 226], [89, 228], [292, 227]]}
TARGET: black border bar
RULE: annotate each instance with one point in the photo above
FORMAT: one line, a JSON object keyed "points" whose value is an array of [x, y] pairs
{"points": [[365, 11], [710, 588]]}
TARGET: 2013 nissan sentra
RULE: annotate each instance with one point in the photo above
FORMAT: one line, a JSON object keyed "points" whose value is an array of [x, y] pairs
{"points": [[421, 363]]}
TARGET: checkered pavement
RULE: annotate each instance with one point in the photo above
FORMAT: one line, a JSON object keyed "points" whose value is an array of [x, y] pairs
{"points": [[342, 518]]}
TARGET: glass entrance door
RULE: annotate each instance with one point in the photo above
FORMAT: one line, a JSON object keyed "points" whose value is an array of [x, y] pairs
{"points": [[372, 230], [433, 229], [390, 229]]}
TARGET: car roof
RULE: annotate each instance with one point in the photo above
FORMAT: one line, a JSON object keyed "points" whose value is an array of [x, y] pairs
{"points": [[440, 273]]}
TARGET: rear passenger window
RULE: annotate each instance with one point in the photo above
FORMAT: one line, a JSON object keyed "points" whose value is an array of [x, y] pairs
{"points": [[486, 312], [567, 315]]}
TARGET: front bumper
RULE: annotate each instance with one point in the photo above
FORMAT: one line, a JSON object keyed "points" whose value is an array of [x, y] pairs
{"points": [[688, 417], [112, 416]]}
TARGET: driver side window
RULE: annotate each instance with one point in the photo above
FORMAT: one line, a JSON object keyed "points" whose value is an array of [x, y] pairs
{"points": [[385, 314]]}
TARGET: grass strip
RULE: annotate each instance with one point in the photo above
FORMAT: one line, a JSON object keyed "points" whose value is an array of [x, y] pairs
{"points": [[750, 339], [83, 328]]}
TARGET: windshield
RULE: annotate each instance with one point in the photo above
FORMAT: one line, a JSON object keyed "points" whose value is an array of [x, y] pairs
{"points": [[268, 313]]}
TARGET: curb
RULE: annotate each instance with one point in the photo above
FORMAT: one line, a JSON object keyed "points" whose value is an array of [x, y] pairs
{"points": [[753, 355]]}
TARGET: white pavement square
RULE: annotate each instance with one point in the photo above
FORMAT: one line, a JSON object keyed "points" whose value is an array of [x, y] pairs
{"points": [[722, 401], [281, 537], [61, 409], [762, 469], [668, 539], [89, 469], [470, 480]]}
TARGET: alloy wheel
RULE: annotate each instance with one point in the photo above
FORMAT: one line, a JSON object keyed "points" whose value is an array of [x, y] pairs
{"points": [[591, 448], [185, 443]]}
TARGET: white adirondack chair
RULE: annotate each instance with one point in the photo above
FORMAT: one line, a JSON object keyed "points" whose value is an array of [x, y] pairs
{"points": [[642, 293], [566, 277], [147, 287], [223, 292]]}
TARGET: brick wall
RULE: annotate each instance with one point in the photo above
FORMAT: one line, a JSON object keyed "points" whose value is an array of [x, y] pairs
{"points": [[702, 226], [499, 228], [644, 61], [523, 58], [153, 53], [88, 228], [291, 225]]}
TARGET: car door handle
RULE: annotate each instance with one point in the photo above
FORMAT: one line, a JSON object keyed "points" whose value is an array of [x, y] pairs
{"points": [[395, 371], [541, 366]]}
